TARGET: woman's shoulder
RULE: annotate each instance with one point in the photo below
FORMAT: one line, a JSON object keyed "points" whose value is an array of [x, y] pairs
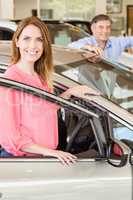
{"points": [[12, 73]]}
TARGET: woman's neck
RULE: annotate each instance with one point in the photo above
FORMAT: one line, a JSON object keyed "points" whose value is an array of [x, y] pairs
{"points": [[26, 67]]}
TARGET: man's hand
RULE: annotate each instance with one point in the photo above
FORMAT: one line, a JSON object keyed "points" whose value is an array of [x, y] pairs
{"points": [[93, 58], [92, 53], [94, 49]]}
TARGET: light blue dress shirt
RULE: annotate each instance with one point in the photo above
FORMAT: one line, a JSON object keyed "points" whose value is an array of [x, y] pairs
{"points": [[114, 46]]}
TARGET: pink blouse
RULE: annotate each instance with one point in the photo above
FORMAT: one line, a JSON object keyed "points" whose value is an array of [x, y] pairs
{"points": [[24, 118]]}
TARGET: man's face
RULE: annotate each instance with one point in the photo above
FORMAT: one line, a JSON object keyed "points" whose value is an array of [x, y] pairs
{"points": [[101, 30]]}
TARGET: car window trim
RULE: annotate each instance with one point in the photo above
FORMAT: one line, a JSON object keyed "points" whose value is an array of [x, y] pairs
{"points": [[43, 94], [104, 104], [100, 137], [43, 159], [120, 120]]}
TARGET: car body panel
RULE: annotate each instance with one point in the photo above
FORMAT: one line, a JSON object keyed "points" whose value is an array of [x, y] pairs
{"points": [[51, 180]]}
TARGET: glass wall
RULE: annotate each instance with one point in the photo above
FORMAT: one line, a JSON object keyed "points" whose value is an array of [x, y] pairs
{"points": [[70, 9]]}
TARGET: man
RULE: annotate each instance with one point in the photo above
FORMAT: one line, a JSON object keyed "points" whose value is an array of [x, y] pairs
{"points": [[101, 43]]}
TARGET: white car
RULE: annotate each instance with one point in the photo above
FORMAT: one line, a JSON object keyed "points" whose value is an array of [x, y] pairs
{"points": [[61, 33], [86, 128], [7, 29]]}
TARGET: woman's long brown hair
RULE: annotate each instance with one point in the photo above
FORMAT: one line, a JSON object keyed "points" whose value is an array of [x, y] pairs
{"points": [[44, 65]]}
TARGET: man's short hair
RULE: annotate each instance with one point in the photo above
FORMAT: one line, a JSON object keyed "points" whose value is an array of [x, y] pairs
{"points": [[100, 17]]}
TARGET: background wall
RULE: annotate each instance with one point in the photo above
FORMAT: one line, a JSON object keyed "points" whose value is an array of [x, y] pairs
{"points": [[23, 8], [120, 19], [81, 9], [85, 9], [7, 9], [58, 9], [100, 7]]}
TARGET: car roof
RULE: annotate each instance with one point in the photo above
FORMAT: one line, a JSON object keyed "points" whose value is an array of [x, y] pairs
{"points": [[8, 25]]}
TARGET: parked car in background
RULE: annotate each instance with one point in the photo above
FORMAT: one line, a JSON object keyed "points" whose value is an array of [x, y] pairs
{"points": [[86, 128], [83, 24], [7, 29], [63, 33]]}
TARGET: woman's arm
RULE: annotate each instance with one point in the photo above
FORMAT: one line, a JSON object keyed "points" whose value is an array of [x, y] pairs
{"points": [[64, 157], [11, 138]]}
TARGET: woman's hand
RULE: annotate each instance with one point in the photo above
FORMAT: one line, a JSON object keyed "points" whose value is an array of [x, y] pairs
{"points": [[65, 157], [79, 91]]}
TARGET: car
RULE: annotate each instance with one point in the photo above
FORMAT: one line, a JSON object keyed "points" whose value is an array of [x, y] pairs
{"points": [[7, 29], [126, 60], [61, 33], [83, 24], [87, 127], [114, 82], [64, 33]]}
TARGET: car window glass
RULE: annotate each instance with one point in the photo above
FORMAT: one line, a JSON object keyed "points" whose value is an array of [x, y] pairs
{"points": [[115, 85], [120, 131], [62, 34], [5, 34]]}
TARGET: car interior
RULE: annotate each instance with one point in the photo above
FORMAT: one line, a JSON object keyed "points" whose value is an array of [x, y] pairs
{"points": [[77, 134], [5, 34]]}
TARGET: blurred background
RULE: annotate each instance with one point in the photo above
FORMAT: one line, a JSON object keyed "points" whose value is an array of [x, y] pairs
{"points": [[121, 11]]}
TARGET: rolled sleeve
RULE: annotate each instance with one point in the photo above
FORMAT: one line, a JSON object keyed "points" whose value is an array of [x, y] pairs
{"points": [[81, 43]]}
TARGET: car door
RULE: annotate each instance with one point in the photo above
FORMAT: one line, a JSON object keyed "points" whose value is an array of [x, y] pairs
{"points": [[91, 177]]}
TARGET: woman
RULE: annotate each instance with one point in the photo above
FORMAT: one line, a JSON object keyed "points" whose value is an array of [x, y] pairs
{"points": [[29, 124]]}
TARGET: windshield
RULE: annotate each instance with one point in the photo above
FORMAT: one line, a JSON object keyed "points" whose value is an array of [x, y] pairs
{"points": [[113, 83]]}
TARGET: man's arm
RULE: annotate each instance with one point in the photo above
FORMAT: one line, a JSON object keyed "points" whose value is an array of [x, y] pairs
{"points": [[80, 43], [126, 42]]}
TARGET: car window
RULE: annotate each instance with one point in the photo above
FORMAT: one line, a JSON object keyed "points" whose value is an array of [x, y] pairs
{"points": [[121, 131], [114, 84], [80, 138], [5, 34], [62, 34]]}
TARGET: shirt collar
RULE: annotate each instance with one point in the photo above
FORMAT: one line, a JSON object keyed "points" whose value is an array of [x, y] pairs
{"points": [[108, 44]]}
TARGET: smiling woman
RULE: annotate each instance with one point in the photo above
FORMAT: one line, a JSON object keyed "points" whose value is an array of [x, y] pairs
{"points": [[32, 65]]}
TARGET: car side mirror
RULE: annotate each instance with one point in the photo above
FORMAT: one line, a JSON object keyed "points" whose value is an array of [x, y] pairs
{"points": [[117, 154], [129, 143]]}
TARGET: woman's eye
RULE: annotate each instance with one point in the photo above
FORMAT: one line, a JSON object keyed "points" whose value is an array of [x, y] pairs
{"points": [[39, 39], [25, 38]]}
